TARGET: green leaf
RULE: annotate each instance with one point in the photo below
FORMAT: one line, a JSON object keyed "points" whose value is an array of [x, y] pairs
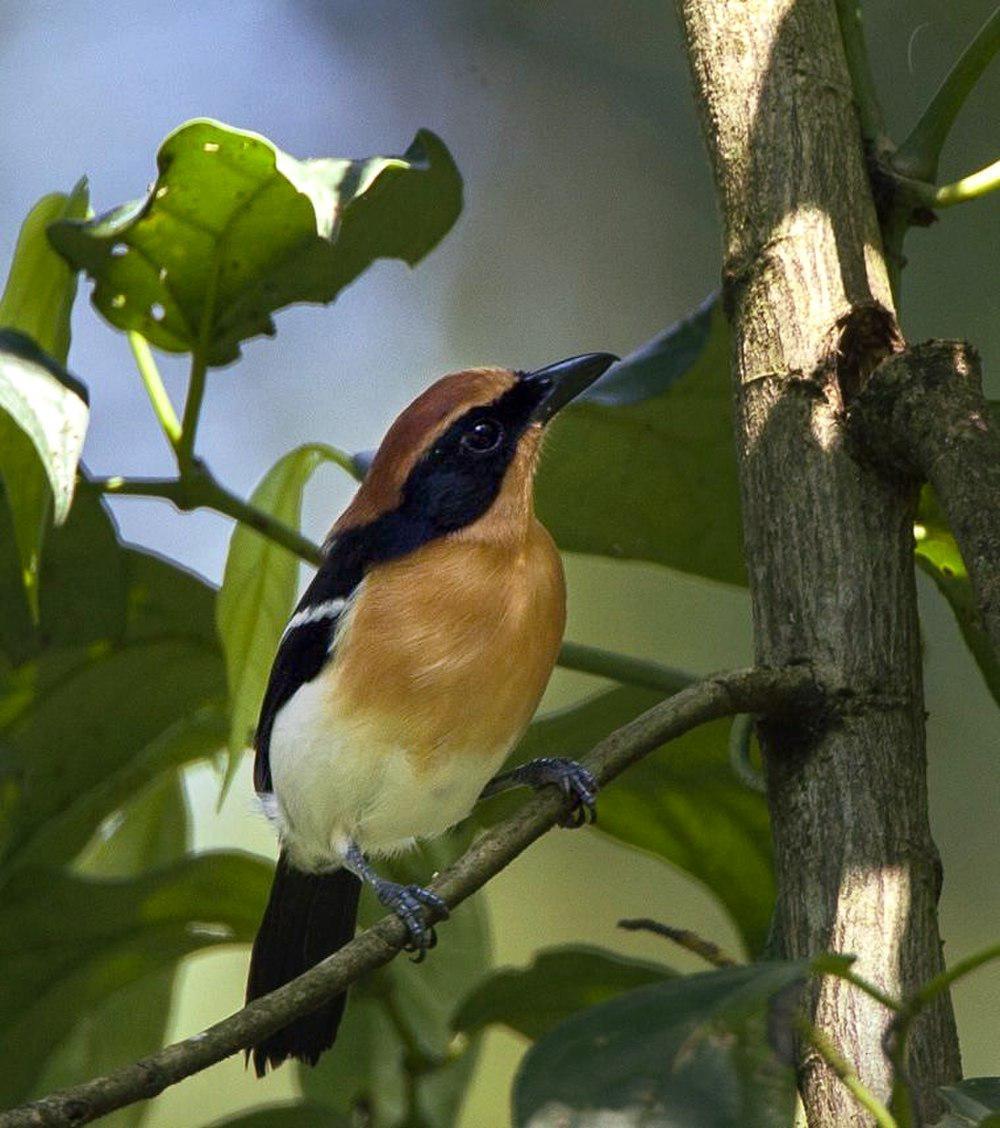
{"points": [[369, 1061], [683, 803], [644, 468], [557, 983], [38, 298], [285, 1116], [68, 951], [84, 727], [152, 831], [689, 1051], [972, 1103], [234, 229], [258, 592], [43, 420]]}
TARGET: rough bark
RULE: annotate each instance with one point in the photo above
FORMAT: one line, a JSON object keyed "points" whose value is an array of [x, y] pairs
{"points": [[922, 415], [828, 537]]}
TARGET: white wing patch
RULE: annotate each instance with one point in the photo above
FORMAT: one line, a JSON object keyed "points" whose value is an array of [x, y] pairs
{"points": [[328, 609]]}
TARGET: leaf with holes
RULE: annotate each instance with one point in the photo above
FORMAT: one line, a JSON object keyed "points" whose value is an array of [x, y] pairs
{"points": [[692, 1050], [87, 938], [643, 467], [234, 229], [258, 591], [557, 983]]}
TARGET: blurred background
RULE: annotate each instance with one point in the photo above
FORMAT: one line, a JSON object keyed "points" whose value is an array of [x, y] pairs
{"points": [[589, 223]]}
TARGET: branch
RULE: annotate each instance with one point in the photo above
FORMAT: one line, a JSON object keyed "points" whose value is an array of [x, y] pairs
{"points": [[919, 154], [684, 938], [922, 414], [786, 692]]}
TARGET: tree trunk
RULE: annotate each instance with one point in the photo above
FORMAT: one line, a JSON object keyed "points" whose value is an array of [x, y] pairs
{"points": [[829, 540]]}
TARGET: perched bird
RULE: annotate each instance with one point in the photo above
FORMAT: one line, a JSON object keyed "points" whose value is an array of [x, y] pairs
{"points": [[410, 669]]}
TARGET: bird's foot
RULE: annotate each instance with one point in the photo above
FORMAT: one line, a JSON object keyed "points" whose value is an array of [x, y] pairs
{"points": [[573, 779], [408, 903]]}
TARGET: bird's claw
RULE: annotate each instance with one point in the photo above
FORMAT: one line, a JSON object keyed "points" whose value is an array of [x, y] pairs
{"points": [[408, 902], [575, 781]]}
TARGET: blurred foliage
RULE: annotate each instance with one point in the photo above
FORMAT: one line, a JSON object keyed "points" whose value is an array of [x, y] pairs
{"points": [[973, 1103], [692, 1050]]}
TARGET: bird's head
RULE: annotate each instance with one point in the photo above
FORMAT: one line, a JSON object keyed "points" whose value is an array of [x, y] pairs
{"points": [[461, 458]]}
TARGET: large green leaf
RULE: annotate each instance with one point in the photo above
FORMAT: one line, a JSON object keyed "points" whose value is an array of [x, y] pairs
{"points": [[972, 1103], [234, 229], [85, 726], [645, 468], [690, 1052], [557, 983], [151, 832], [43, 410], [258, 590], [86, 938], [369, 1062], [683, 803]]}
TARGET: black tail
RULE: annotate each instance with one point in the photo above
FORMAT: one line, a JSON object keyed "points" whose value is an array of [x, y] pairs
{"points": [[308, 916]]}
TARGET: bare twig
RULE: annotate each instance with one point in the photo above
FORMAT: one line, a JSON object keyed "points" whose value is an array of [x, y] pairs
{"points": [[691, 941], [785, 692]]}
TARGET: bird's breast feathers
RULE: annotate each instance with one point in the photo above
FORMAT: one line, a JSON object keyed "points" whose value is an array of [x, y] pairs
{"points": [[438, 663]]}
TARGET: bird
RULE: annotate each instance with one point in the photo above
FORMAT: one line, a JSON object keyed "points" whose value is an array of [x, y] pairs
{"points": [[409, 670]]}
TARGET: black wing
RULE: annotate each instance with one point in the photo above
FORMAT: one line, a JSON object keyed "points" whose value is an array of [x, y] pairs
{"points": [[304, 651]]}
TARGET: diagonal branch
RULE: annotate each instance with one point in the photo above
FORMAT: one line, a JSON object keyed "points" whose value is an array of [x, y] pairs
{"points": [[922, 414], [789, 692]]}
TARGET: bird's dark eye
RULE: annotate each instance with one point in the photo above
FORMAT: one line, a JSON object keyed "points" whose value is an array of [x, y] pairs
{"points": [[483, 437]]}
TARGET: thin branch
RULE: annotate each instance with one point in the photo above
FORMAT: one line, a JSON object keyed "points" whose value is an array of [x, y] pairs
{"points": [[919, 154], [192, 408], [922, 414], [791, 691], [683, 937], [162, 405], [856, 51]]}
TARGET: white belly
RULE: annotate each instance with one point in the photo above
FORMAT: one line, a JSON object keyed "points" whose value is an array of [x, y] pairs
{"points": [[335, 780]]}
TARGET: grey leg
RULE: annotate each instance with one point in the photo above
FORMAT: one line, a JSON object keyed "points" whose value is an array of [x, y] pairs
{"points": [[406, 901], [573, 779]]}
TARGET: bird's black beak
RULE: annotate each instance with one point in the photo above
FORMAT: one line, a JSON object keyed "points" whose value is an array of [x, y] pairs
{"points": [[559, 383]]}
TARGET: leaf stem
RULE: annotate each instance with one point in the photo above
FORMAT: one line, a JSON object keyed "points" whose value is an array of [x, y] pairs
{"points": [[970, 187], [162, 405], [856, 50], [919, 154], [849, 1077], [622, 668], [192, 409], [198, 489]]}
